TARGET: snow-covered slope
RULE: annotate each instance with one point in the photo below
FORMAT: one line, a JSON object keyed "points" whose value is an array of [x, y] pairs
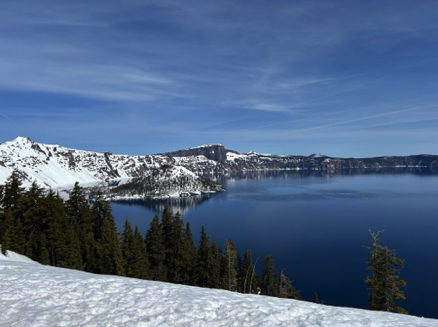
{"points": [[35, 295], [165, 182], [54, 165]]}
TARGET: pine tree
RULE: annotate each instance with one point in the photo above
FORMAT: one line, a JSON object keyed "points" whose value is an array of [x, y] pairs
{"points": [[155, 250], [175, 249], [140, 263], [126, 247], [42, 254], [269, 279], [286, 290], [238, 267], [12, 194], [230, 271], [316, 299], [204, 260], [13, 236], [80, 217], [189, 257], [384, 281], [247, 280], [110, 260], [214, 264], [33, 222], [62, 244]]}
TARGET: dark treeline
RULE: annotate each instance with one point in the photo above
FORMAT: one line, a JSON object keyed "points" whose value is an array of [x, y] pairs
{"points": [[81, 235]]}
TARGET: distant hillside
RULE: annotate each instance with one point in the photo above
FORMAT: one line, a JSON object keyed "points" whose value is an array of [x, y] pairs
{"points": [[54, 165]]}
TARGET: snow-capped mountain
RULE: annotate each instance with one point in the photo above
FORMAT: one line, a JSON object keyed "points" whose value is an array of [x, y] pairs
{"points": [[54, 165], [36, 295]]}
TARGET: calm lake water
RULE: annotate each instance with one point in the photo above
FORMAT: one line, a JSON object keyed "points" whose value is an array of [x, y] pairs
{"points": [[316, 227]]}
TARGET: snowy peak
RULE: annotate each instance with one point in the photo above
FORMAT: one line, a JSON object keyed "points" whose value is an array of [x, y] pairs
{"points": [[317, 155]]}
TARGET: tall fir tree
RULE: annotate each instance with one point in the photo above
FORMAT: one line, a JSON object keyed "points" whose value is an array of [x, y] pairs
{"points": [[155, 250], [247, 280], [13, 236], [269, 279], [110, 260], [230, 273], [33, 222], [189, 257], [140, 263], [126, 247], [204, 260], [286, 289], [175, 249], [80, 217], [384, 283], [12, 196], [62, 245], [214, 264]]}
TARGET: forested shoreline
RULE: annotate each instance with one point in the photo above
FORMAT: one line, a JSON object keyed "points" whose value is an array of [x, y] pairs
{"points": [[81, 234]]}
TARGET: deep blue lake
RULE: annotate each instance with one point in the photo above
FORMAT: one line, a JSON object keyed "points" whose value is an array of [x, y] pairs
{"points": [[316, 227]]}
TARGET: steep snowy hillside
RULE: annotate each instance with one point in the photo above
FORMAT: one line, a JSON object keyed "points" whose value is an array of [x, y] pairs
{"points": [[35, 295], [54, 165]]}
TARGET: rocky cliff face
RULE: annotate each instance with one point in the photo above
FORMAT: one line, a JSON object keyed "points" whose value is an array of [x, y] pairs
{"points": [[215, 152], [54, 165]]}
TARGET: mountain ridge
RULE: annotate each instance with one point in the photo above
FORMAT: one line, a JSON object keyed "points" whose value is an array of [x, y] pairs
{"points": [[52, 165]]}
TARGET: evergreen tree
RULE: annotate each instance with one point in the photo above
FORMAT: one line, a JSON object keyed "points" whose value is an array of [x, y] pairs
{"points": [[140, 264], [286, 290], [42, 255], [238, 267], [247, 280], [230, 271], [13, 236], [126, 247], [269, 279], [109, 256], [62, 244], [214, 263], [12, 194], [204, 260], [33, 222], [175, 249], [155, 250], [316, 299], [80, 217], [384, 281], [133, 252], [189, 258]]}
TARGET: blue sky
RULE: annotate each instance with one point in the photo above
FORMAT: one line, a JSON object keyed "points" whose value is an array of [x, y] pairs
{"points": [[343, 78]]}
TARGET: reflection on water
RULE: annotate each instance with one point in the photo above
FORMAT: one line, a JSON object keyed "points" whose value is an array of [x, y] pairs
{"points": [[181, 204], [267, 174]]}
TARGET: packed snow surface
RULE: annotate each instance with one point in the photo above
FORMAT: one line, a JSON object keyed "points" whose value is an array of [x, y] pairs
{"points": [[35, 295]]}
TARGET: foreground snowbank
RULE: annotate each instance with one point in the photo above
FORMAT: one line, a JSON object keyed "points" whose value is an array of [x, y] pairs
{"points": [[35, 295]]}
